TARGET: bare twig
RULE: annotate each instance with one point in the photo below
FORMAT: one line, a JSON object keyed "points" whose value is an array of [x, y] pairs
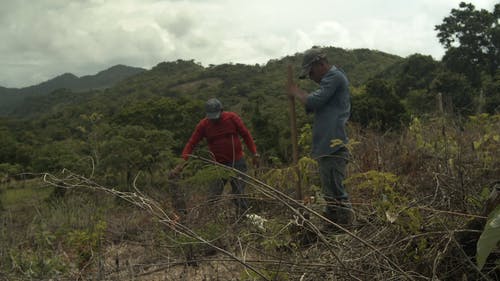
{"points": [[138, 199], [290, 203]]}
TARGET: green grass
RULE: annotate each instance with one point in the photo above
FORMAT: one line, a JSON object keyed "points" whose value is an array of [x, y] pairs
{"points": [[18, 194]]}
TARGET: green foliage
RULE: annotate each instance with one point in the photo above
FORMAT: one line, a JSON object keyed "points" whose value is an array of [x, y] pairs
{"points": [[378, 183], [28, 100], [286, 178], [134, 148], [471, 39], [305, 137], [489, 237], [205, 176], [170, 97], [7, 146], [55, 156], [361, 64], [487, 140], [86, 242], [456, 90], [9, 170], [35, 266], [418, 71], [264, 131], [491, 87], [23, 192], [407, 209], [438, 145], [413, 84], [39, 261], [178, 116], [378, 107], [390, 203], [420, 102]]}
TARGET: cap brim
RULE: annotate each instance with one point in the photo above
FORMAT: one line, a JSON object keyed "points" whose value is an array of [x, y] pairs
{"points": [[304, 72], [213, 115]]}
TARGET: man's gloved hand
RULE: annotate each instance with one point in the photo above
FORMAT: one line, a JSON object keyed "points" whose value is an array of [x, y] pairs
{"points": [[176, 171]]}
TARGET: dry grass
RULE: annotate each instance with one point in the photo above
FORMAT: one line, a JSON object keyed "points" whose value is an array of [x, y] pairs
{"points": [[415, 195]]}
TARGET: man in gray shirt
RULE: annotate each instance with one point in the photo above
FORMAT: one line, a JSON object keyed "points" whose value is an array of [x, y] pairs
{"points": [[331, 105]]}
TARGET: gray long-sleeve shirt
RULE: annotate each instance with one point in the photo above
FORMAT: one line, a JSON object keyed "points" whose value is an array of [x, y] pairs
{"points": [[331, 104]]}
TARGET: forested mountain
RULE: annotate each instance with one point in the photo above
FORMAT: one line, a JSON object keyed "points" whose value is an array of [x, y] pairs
{"points": [[386, 91], [144, 99], [12, 98]]}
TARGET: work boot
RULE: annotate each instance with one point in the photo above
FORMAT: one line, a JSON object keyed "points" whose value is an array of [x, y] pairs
{"points": [[331, 229], [340, 213], [345, 214]]}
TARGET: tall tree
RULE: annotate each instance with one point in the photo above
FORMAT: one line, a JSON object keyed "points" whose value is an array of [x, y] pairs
{"points": [[456, 91], [378, 107], [471, 38], [417, 73]]}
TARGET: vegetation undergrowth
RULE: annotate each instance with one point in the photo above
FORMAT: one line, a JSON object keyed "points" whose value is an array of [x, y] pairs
{"points": [[414, 195]]}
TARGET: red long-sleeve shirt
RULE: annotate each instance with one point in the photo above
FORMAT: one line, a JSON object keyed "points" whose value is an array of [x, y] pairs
{"points": [[223, 138]]}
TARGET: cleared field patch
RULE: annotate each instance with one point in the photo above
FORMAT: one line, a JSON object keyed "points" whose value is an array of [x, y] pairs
{"points": [[23, 193], [197, 85]]}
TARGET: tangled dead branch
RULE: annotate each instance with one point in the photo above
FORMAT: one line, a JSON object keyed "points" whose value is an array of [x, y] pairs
{"points": [[341, 248], [140, 200], [383, 246]]}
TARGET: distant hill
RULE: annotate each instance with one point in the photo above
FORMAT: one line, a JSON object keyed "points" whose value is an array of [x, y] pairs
{"points": [[234, 83], [11, 98]]}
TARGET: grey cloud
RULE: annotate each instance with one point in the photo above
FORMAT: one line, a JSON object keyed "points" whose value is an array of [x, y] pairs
{"points": [[179, 24], [44, 38], [59, 39]]}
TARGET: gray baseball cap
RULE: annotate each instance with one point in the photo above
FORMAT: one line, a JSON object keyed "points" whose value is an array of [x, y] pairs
{"points": [[310, 56], [213, 108]]}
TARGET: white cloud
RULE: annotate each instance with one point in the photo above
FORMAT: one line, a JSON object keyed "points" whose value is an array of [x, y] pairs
{"points": [[330, 31], [45, 38]]}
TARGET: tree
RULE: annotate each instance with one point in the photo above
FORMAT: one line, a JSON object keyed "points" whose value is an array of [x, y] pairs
{"points": [[378, 107], [456, 92], [131, 149], [178, 116], [264, 131], [418, 102], [56, 156], [491, 89], [417, 74], [7, 146], [472, 40]]}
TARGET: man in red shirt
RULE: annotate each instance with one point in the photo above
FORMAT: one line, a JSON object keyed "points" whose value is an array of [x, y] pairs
{"points": [[222, 130]]}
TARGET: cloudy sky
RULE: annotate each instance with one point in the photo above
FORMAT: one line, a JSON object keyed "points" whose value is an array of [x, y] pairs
{"points": [[45, 38]]}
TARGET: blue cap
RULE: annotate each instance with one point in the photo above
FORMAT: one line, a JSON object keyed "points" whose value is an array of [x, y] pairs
{"points": [[310, 57], [213, 108]]}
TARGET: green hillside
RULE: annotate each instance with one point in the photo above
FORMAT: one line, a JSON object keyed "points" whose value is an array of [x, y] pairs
{"points": [[254, 91], [386, 91], [11, 99]]}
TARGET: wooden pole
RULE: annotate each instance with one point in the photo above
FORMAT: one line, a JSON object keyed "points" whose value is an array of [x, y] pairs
{"points": [[440, 103], [293, 128]]}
